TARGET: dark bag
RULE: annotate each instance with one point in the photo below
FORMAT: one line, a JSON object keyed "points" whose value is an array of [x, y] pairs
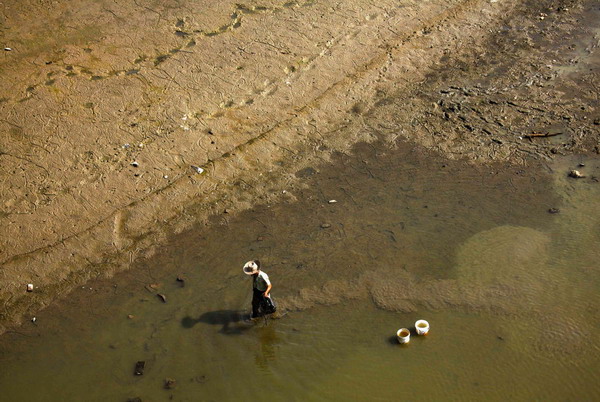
{"points": [[268, 305]]}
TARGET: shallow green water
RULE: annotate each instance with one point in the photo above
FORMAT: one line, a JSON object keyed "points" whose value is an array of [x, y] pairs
{"points": [[510, 291]]}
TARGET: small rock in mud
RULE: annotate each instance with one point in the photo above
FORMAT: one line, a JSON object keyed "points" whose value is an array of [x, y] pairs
{"points": [[139, 368], [170, 383], [332, 201], [181, 280], [30, 287], [200, 379], [162, 297], [325, 225], [306, 172], [576, 174], [130, 316], [554, 210]]}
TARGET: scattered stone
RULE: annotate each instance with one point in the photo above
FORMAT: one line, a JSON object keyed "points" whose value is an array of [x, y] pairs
{"points": [[325, 225], [170, 383], [30, 287], [34, 319], [139, 368], [306, 172], [226, 211], [554, 210], [135, 164], [130, 316], [332, 201], [7, 49], [576, 174], [181, 280], [198, 170], [162, 297], [500, 338], [165, 177], [126, 146], [200, 379], [581, 164]]}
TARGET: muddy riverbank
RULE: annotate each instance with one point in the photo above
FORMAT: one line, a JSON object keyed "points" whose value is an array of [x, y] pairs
{"points": [[511, 292], [102, 122]]}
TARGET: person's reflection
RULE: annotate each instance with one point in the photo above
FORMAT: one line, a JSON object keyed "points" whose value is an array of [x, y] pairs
{"points": [[268, 339]]}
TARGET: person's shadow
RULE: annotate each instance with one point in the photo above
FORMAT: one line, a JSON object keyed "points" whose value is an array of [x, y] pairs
{"points": [[233, 321]]}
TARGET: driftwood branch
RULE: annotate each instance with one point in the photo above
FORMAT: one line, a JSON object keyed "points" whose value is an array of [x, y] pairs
{"points": [[537, 135]]}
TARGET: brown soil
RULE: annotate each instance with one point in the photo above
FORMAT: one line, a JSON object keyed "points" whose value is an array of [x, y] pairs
{"points": [[253, 93]]}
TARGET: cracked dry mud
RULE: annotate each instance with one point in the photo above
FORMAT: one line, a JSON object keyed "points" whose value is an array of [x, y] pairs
{"points": [[253, 92]]}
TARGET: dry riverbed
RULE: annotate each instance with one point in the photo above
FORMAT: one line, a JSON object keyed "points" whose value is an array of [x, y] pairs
{"points": [[107, 109]]}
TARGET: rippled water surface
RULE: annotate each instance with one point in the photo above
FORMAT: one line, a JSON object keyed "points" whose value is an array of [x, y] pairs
{"points": [[510, 291]]}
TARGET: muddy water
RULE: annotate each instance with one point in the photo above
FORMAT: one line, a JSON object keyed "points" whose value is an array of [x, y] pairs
{"points": [[510, 291]]}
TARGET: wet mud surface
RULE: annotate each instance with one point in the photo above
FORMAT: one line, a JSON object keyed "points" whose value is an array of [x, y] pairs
{"points": [[467, 120], [475, 251]]}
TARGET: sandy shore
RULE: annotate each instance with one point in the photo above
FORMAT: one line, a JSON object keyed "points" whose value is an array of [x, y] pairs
{"points": [[106, 109]]}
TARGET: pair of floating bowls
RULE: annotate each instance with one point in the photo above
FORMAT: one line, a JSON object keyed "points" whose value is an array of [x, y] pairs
{"points": [[403, 334]]}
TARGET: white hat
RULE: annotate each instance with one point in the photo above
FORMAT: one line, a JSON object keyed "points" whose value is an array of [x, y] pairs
{"points": [[250, 268]]}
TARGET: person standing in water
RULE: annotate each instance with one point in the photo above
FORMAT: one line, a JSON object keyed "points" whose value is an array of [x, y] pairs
{"points": [[261, 285]]}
